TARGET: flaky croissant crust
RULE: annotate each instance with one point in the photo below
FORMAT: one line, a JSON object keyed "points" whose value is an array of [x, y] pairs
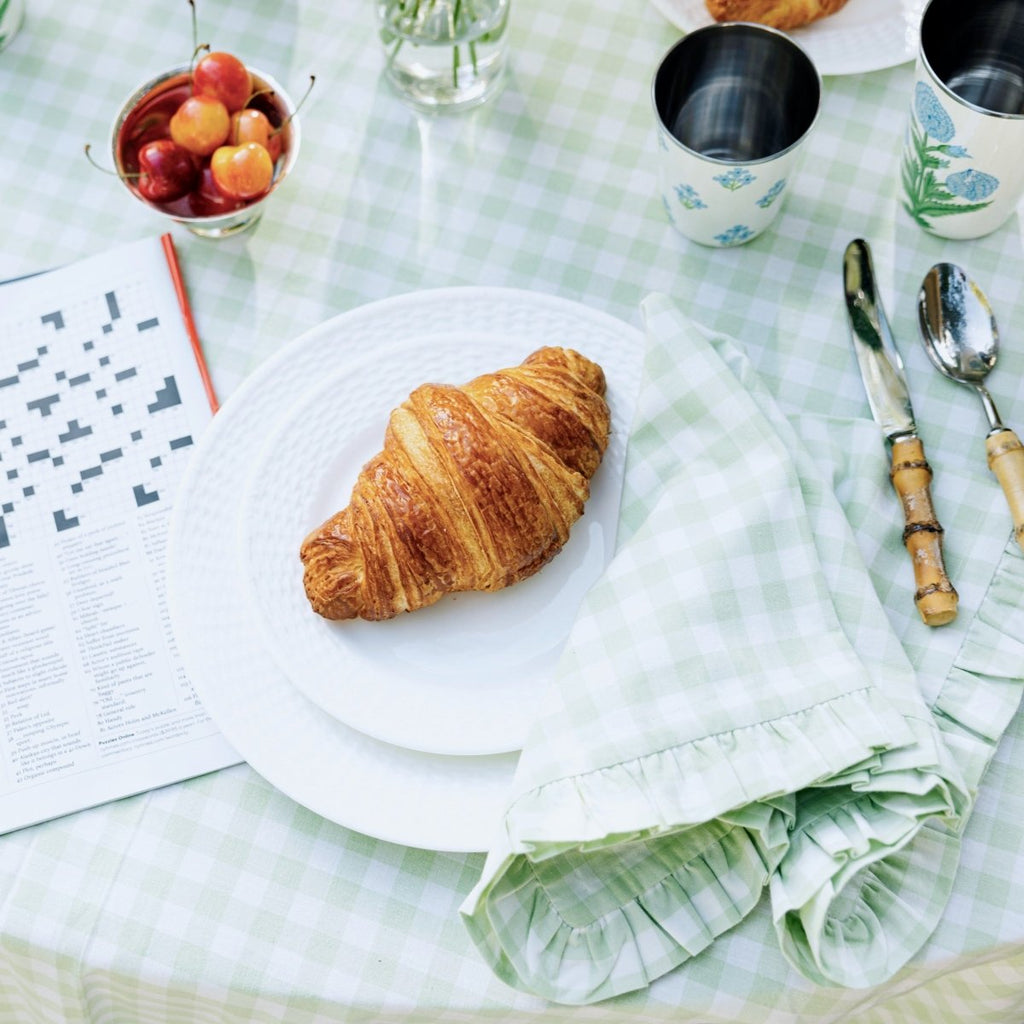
{"points": [[476, 488], [782, 14]]}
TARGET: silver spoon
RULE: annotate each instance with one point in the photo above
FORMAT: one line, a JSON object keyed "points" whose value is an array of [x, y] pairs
{"points": [[960, 335]]}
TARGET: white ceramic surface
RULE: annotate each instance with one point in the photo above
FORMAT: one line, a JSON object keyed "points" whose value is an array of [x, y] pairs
{"points": [[427, 800], [717, 204], [866, 35], [462, 676]]}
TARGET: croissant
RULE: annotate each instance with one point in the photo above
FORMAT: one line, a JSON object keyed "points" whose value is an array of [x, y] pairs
{"points": [[476, 488], [783, 14]]}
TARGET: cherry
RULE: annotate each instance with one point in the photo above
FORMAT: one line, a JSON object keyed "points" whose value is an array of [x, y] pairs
{"points": [[166, 171], [200, 124], [208, 201], [242, 172], [252, 125], [225, 78]]}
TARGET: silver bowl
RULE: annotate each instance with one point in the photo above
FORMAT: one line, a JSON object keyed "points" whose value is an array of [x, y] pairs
{"points": [[275, 103]]}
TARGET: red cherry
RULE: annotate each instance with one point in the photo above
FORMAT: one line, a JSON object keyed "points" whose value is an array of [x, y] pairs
{"points": [[242, 172], [166, 171], [251, 125], [224, 77], [200, 124], [208, 201]]}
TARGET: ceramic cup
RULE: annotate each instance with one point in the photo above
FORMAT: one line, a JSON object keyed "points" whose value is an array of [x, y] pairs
{"points": [[734, 103], [962, 170]]}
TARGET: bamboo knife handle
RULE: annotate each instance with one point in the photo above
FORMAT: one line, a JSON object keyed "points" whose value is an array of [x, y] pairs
{"points": [[1006, 460], [935, 598]]}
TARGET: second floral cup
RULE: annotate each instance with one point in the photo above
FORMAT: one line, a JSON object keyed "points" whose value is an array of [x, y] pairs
{"points": [[734, 103], [962, 171]]}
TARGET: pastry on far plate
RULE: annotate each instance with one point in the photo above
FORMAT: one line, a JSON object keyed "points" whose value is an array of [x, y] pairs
{"points": [[476, 488], [782, 14]]}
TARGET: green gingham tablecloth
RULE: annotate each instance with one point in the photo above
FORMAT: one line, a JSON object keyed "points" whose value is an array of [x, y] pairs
{"points": [[220, 900]]}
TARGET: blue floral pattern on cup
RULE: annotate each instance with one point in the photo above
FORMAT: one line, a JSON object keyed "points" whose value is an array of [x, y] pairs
{"points": [[972, 185], [736, 235], [928, 153], [735, 178], [690, 197], [772, 194], [720, 204]]}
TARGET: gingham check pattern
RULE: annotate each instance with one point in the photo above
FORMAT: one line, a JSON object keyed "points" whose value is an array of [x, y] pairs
{"points": [[711, 675], [220, 900]]}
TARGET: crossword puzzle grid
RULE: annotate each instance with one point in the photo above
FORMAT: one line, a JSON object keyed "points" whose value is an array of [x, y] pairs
{"points": [[91, 420]]}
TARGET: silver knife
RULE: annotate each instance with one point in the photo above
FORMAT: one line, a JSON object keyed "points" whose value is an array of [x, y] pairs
{"points": [[889, 398]]}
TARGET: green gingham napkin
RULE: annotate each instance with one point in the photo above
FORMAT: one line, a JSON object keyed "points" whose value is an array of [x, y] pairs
{"points": [[733, 713]]}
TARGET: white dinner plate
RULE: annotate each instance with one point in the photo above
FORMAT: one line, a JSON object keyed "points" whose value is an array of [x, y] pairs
{"points": [[431, 801], [865, 35], [463, 676]]}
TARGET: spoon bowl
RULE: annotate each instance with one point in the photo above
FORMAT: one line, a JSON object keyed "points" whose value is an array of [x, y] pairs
{"points": [[959, 329], [959, 333]]}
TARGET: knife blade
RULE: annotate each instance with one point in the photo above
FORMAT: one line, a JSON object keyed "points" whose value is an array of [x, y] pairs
{"points": [[885, 383]]}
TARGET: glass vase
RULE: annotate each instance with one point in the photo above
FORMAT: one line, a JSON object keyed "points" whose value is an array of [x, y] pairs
{"points": [[444, 54]]}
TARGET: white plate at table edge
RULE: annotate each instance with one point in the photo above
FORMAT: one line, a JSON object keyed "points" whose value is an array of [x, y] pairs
{"points": [[465, 676], [417, 799], [865, 35]]}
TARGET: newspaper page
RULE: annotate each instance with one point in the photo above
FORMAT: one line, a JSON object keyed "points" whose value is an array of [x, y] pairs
{"points": [[101, 402]]}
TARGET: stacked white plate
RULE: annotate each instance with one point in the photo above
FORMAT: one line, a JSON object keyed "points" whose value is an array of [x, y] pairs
{"points": [[864, 35], [406, 730]]}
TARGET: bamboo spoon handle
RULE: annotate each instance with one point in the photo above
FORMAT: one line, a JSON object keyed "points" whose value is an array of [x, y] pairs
{"points": [[936, 599], [1006, 460]]}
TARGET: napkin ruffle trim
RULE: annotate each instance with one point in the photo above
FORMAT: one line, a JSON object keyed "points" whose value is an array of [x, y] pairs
{"points": [[885, 888], [565, 949], [983, 689], [864, 884], [668, 867], [669, 788]]}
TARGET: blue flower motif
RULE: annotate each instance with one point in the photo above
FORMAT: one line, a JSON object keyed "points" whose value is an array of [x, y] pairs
{"points": [[690, 198], [934, 119], [955, 151], [972, 185], [736, 235], [772, 194], [734, 178]]}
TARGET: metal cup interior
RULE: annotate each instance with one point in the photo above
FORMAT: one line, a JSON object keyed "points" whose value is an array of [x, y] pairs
{"points": [[737, 92], [976, 50]]}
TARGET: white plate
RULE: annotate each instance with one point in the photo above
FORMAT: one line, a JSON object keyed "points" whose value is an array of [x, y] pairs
{"points": [[865, 35], [417, 799], [463, 676]]}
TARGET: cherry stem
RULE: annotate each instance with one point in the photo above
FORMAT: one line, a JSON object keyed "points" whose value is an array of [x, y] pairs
{"points": [[114, 174], [195, 53], [259, 92], [298, 106]]}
